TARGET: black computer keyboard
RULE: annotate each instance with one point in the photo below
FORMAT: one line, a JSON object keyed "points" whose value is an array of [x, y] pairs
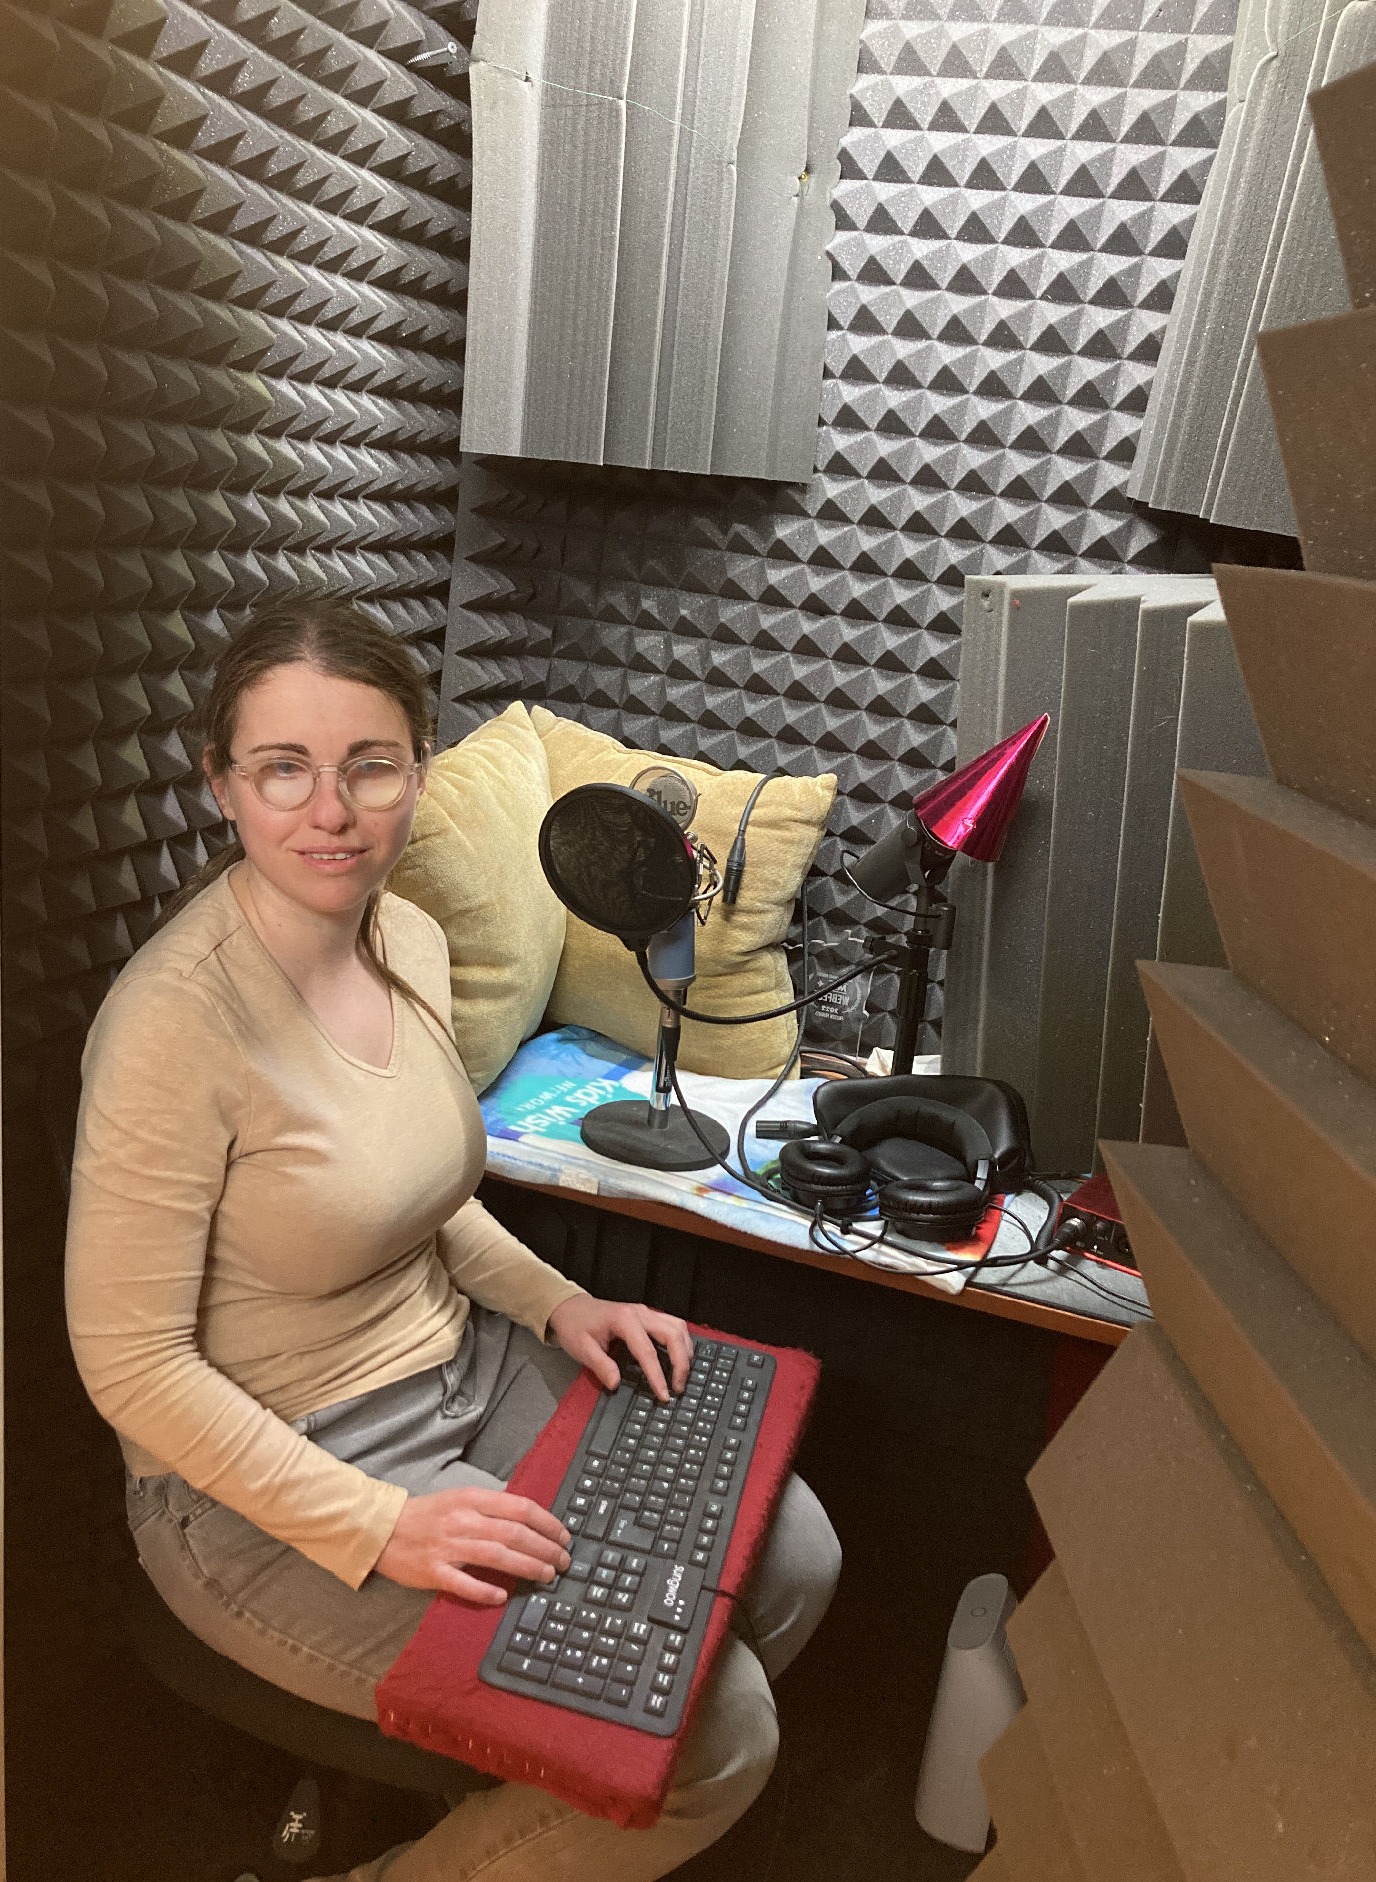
{"points": [[650, 1496]]}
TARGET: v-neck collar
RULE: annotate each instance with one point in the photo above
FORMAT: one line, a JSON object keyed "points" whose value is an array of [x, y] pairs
{"points": [[390, 1069]]}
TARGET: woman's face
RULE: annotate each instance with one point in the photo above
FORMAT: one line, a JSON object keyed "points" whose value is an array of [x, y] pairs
{"points": [[327, 856]]}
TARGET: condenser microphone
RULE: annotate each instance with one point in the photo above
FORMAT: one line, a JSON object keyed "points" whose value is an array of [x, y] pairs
{"points": [[621, 860]]}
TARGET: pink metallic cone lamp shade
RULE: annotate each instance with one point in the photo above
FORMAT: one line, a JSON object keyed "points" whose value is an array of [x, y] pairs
{"points": [[970, 811]]}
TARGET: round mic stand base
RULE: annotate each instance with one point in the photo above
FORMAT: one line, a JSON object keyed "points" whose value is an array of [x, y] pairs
{"points": [[631, 1130]]}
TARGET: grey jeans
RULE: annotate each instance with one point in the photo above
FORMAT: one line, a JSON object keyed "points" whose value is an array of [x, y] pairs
{"points": [[469, 1422]]}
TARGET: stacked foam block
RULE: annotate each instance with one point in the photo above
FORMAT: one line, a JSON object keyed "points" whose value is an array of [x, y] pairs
{"points": [[1201, 1660], [1018, 184], [234, 251]]}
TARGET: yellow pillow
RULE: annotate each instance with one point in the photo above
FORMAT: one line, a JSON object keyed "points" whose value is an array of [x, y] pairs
{"points": [[741, 965], [472, 863]]}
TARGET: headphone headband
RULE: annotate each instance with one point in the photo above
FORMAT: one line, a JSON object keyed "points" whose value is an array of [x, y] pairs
{"points": [[930, 1122]]}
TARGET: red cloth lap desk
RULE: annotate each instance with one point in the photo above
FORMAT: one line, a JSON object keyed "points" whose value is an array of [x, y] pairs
{"points": [[433, 1696]]}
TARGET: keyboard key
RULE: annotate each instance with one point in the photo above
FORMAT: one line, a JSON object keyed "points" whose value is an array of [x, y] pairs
{"points": [[634, 1650], [613, 1624], [573, 1656], [598, 1520], [586, 1631], [604, 1577], [640, 1631], [623, 1670], [534, 1612], [668, 1662], [623, 1599], [548, 1649], [521, 1641], [611, 1558], [663, 1682], [617, 1693], [598, 1594], [582, 1683], [657, 1703], [600, 1663], [665, 1548], [536, 1671], [700, 1558]]}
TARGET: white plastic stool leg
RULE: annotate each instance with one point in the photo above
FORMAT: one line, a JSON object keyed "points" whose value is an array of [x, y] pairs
{"points": [[978, 1695]]}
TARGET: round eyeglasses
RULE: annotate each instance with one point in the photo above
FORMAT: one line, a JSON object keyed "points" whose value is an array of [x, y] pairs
{"points": [[364, 783]]}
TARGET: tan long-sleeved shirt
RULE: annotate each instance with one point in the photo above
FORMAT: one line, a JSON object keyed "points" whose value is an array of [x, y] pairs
{"points": [[262, 1225]]}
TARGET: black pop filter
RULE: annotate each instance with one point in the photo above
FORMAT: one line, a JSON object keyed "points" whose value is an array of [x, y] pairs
{"points": [[618, 861]]}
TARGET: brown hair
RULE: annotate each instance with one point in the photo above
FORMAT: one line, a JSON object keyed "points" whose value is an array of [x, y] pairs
{"points": [[339, 639]]}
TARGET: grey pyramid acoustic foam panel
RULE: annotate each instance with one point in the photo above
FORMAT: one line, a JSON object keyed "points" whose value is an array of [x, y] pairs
{"points": [[1018, 184], [234, 241], [651, 207], [1265, 255]]}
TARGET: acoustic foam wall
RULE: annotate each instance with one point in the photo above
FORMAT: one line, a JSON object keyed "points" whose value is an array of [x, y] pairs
{"points": [[1018, 183], [234, 241]]}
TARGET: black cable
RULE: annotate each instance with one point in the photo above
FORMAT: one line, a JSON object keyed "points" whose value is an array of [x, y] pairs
{"points": [[1054, 1259], [761, 1189], [831, 1064], [735, 859], [973, 1267], [665, 998], [741, 1158]]}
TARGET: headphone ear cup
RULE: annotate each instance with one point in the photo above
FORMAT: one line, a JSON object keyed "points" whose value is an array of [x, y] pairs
{"points": [[943, 1209], [816, 1170]]}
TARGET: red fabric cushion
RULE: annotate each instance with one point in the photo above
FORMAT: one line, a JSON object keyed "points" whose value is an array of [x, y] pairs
{"points": [[432, 1694]]}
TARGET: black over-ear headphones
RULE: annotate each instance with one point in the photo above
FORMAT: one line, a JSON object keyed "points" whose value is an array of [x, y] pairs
{"points": [[932, 1163]]}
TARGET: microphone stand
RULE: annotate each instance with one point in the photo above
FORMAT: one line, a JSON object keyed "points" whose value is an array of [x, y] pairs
{"points": [[910, 851], [930, 931], [659, 1135]]}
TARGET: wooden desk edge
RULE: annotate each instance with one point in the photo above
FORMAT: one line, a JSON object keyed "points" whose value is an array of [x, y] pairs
{"points": [[978, 1300]]}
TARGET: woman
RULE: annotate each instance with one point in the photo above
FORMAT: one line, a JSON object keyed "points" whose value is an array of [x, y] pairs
{"points": [[323, 1358]]}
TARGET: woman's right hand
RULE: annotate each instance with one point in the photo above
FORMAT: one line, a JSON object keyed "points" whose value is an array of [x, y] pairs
{"points": [[440, 1534]]}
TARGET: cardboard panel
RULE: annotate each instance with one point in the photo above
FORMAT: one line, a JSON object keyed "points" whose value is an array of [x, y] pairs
{"points": [[1284, 1126], [1296, 1394], [1112, 1817], [1293, 887], [993, 1869], [1344, 117], [1307, 648], [1322, 380], [1246, 1695], [1034, 1837]]}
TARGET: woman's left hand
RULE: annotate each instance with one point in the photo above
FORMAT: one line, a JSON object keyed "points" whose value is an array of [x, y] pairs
{"points": [[586, 1327]]}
